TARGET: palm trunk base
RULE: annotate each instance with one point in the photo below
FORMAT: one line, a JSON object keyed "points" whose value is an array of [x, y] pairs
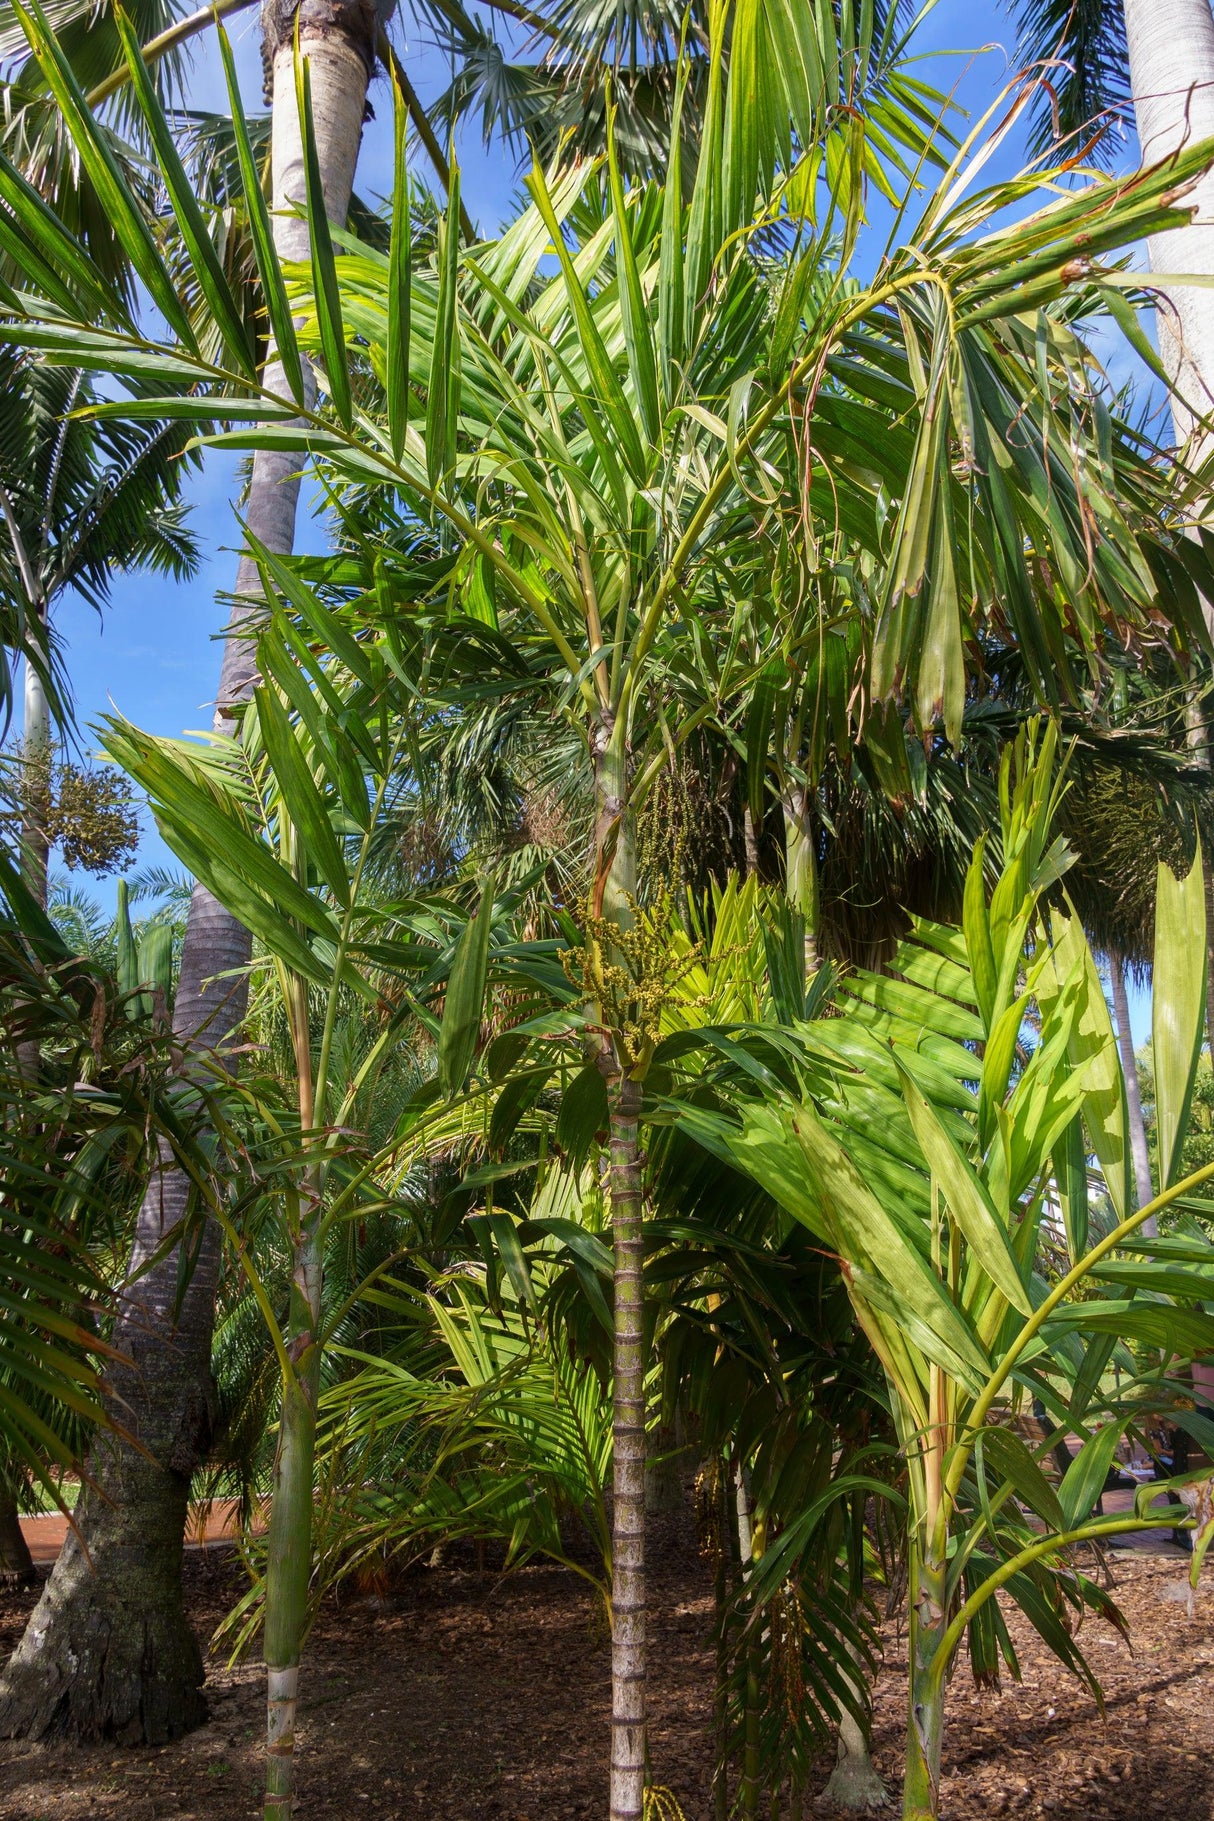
{"points": [[854, 1784], [109, 1652]]}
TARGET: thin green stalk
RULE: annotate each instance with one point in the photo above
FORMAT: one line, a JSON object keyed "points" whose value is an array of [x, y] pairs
{"points": [[289, 1558], [289, 1563], [343, 938]]}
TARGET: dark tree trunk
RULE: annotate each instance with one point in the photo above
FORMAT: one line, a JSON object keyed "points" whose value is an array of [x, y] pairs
{"points": [[16, 1563], [108, 1651]]}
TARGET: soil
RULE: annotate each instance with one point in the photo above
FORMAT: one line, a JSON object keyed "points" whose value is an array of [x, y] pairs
{"points": [[460, 1695]]}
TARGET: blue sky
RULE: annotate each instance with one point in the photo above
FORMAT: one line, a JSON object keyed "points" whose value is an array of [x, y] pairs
{"points": [[154, 658]]}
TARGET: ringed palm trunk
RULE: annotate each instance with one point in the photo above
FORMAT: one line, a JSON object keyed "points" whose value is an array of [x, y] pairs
{"points": [[752, 1718], [615, 874], [628, 1617], [109, 1652]]}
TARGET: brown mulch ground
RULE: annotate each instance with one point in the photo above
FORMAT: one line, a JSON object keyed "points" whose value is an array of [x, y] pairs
{"points": [[461, 1696]]}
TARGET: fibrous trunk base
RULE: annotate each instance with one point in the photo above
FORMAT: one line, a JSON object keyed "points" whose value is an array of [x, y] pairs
{"points": [[109, 1652]]}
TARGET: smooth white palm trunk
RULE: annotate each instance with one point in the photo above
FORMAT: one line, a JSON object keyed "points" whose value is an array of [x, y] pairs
{"points": [[1171, 51], [1171, 55]]}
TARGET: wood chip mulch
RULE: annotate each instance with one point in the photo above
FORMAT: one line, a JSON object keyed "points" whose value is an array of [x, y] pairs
{"points": [[461, 1696]]}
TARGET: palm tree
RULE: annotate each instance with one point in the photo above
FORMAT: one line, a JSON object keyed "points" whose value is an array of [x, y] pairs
{"points": [[113, 1606], [573, 444], [826, 1157]]}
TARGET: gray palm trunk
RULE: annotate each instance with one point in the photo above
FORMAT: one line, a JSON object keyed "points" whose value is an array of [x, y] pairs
{"points": [[109, 1651]]}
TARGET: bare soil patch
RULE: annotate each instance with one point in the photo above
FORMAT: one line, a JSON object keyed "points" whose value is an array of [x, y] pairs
{"points": [[461, 1695]]}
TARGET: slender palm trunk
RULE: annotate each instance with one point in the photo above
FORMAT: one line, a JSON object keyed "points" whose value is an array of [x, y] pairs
{"points": [[928, 1619], [1129, 1068], [801, 870], [109, 1651], [289, 1559], [720, 1774], [750, 844], [36, 754], [854, 1783], [1207, 872], [1197, 739], [615, 888], [752, 1717], [628, 1626], [925, 1726], [289, 1563]]}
